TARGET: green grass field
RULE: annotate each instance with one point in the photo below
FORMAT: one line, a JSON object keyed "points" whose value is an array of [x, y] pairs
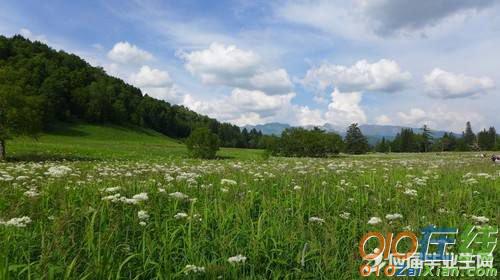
{"points": [[123, 203], [84, 142]]}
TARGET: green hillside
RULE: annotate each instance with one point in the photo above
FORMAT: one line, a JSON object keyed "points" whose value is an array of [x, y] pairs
{"points": [[53, 87], [102, 142]]}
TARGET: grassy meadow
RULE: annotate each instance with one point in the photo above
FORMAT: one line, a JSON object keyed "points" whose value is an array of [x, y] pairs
{"points": [[90, 202]]}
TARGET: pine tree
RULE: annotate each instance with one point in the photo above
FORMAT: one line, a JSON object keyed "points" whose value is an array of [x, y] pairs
{"points": [[469, 138], [408, 141], [382, 146], [355, 141], [492, 133], [426, 138]]}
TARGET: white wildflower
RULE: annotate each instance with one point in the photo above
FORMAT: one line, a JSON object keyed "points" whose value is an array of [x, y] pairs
{"points": [[17, 222], [140, 197], [228, 182], [180, 215], [411, 192], [194, 269], [58, 171], [112, 198], [394, 216], [316, 220], [128, 200], [143, 217], [480, 219], [237, 259], [345, 215], [178, 195], [31, 193], [112, 189], [374, 221]]}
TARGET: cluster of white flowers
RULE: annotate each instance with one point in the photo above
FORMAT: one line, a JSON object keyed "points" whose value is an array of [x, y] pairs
{"points": [[411, 192], [17, 222], [143, 217], [237, 259], [178, 195], [394, 216], [228, 182], [374, 221], [181, 215], [119, 198], [420, 181], [345, 215], [485, 175], [193, 269], [480, 219], [112, 189], [32, 192], [58, 171], [6, 178], [316, 220]]}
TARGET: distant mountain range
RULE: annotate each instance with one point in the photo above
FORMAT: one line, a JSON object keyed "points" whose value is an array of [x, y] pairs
{"points": [[373, 132]]}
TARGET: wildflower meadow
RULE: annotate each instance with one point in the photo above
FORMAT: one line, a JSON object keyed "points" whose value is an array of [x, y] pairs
{"points": [[237, 217]]}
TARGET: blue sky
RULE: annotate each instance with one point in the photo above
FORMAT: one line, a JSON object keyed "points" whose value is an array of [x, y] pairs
{"points": [[398, 62]]}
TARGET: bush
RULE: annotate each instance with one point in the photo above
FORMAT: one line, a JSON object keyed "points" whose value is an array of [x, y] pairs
{"points": [[202, 143], [299, 142]]}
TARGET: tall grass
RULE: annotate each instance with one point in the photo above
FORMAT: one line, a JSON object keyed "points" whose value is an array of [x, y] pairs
{"points": [[265, 216]]}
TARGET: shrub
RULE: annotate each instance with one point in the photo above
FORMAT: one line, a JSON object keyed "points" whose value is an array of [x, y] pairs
{"points": [[202, 143], [300, 142]]}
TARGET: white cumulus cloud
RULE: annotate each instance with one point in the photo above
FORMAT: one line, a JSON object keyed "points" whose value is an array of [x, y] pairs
{"points": [[384, 75], [440, 117], [243, 106], [124, 52], [345, 108], [220, 64], [258, 101], [276, 81], [157, 83], [171, 93], [445, 85], [233, 67], [150, 77], [306, 116]]}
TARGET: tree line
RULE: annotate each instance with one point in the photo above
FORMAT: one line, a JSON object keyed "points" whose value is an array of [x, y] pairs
{"points": [[408, 141], [300, 142], [40, 86]]}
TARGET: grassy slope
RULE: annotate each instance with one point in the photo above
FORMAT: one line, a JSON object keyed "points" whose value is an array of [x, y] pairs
{"points": [[88, 142]]}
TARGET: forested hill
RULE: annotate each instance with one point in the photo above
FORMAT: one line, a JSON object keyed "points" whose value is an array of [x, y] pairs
{"points": [[67, 88]]}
